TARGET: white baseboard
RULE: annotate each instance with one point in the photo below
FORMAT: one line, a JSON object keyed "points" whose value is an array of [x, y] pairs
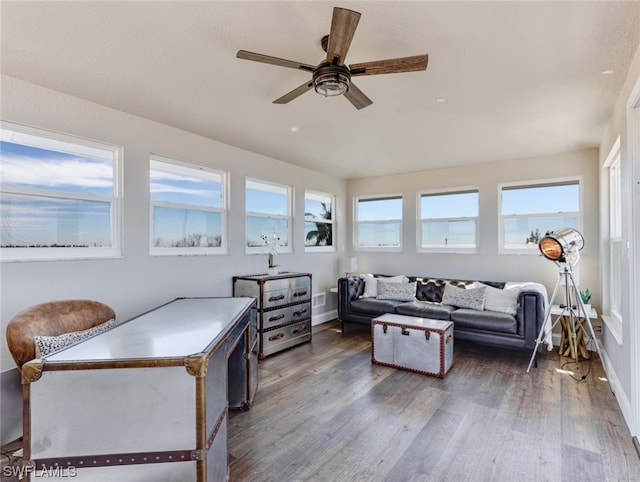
{"points": [[323, 317], [614, 383]]}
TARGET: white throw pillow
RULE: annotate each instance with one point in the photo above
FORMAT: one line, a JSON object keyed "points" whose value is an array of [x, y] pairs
{"points": [[370, 286], [504, 301], [472, 298], [390, 290], [45, 345]]}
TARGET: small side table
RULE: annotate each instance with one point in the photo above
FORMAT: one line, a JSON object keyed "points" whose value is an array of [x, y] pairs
{"points": [[567, 348]]}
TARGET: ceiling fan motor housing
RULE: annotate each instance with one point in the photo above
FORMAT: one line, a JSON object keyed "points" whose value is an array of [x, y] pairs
{"points": [[330, 80]]}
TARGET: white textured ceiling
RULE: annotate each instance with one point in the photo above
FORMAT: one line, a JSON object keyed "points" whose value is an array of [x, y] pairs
{"points": [[521, 79]]}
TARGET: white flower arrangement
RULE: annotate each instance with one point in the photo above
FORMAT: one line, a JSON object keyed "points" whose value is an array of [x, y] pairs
{"points": [[272, 242]]}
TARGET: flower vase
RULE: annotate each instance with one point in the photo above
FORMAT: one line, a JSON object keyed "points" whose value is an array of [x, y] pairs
{"points": [[272, 270]]}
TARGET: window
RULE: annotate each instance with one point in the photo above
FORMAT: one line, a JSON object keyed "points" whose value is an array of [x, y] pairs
{"points": [[448, 221], [60, 196], [188, 208], [616, 251], [378, 223], [529, 211], [318, 221], [268, 211]]}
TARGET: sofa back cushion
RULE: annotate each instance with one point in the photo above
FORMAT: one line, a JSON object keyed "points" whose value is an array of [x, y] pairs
{"points": [[432, 289]]}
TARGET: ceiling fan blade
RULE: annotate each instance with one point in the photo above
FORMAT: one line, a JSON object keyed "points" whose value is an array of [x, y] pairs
{"points": [[297, 92], [357, 97], [390, 66], [343, 27], [267, 59]]}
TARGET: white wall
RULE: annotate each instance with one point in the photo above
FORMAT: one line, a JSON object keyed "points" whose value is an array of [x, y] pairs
{"points": [[487, 264], [622, 368], [137, 282]]}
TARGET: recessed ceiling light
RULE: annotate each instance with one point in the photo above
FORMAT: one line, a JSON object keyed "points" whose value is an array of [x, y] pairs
{"points": [[607, 72], [441, 100], [294, 128]]}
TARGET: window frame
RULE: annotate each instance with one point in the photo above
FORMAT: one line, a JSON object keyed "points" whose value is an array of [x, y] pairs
{"points": [[288, 217], [54, 141], [357, 222], [502, 249], [613, 165], [420, 220], [332, 200], [192, 170]]}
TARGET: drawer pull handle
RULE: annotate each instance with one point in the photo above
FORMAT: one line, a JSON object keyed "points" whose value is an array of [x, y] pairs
{"points": [[300, 293], [276, 337], [276, 298], [276, 317], [297, 331], [300, 312]]}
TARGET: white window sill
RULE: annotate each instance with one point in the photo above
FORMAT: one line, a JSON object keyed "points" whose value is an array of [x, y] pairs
{"points": [[319, 249], [614, 326], [394, 249], [447, 251], [15, 257]]}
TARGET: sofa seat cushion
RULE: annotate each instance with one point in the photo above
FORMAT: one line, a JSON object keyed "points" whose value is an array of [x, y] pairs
{"points": [[484, 320], [372, 306], [425, 309]]}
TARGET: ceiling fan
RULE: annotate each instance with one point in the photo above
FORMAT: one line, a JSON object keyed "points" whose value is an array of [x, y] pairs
{"points": [[332, 76]]}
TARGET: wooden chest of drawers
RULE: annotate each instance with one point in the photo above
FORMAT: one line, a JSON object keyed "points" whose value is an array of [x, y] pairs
{"points": [[284, 308]]}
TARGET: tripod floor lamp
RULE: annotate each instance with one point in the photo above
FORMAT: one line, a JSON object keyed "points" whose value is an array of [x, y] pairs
{"points": [[563, 248]]}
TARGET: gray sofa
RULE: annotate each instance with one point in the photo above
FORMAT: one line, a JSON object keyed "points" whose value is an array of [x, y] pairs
{"points": [[516, 331]]}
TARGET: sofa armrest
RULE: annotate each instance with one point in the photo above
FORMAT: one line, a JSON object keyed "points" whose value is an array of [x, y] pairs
{"points": [[530, 315], [349, 289]]}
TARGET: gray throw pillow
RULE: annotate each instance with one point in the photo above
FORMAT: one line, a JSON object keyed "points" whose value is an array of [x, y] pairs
{"points": [[472, 298], [371, 283], [396, 291], [46, 345]]}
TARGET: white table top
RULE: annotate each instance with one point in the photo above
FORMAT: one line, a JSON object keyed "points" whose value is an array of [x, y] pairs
{"points": [[413, 321], [557, 310], [180, 328]]}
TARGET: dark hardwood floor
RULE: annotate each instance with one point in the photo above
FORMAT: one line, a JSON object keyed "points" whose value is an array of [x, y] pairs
{"points": [[323, 412]]}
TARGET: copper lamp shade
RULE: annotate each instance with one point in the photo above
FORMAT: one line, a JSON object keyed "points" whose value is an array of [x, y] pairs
{"points": [[556, 245]]}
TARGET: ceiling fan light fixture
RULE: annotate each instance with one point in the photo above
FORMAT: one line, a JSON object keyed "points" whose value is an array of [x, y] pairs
{"points": [[331, 80]]}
